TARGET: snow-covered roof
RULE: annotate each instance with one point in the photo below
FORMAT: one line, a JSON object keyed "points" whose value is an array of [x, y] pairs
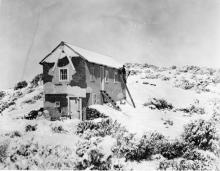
{"points": [[86, 54]]}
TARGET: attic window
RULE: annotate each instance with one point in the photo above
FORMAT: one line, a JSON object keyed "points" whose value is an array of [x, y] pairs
{"points": [[92, 74], [63, 74]]}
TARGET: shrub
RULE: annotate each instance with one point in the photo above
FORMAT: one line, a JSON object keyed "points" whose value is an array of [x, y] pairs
{"points": [[39, 96], [159, 104], [31, 115], [58, 129], [93, 114], [131, 148], [3, 151], [26, 155], [2, 94], [150, 144], [20, 85], [196, 154], [201, 134], [193, 160], [105, 127], [173, 67], [29, 101], [91, 156], [30, 128], [168, 122], [193, 109], [175, 149], [36, 79], [165, 78], [127, 147], [15, 134]]}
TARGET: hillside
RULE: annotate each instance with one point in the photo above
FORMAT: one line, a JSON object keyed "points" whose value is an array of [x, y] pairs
{"points": [[151, 136]]}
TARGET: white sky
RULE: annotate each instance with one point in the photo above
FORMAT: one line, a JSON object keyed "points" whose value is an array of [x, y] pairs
{"points": [[160, 32]]}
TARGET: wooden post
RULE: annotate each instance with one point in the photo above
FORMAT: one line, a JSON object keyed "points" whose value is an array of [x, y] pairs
{"points": [[128, 92]]}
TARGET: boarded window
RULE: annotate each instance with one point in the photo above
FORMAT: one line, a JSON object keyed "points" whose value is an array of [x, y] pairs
{"points": [[92, 74], [116, 77], [64, 74], [106, 76]]}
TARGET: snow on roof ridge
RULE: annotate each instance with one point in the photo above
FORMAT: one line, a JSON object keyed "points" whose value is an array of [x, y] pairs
{"points": [[94, 57]]}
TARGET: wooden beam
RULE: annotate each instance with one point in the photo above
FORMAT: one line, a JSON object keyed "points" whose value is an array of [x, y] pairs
{"points": [[128, 92]]}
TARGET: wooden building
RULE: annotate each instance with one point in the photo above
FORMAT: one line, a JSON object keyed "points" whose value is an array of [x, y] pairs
{"points": [[75, 78]]}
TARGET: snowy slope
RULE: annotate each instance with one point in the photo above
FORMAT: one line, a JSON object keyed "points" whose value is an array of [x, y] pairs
{"points": [[142, 118], [192, 92]]}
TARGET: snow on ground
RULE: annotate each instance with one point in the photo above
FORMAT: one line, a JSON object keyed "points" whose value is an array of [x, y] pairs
{"points": [[142, 119], [144, 84]]}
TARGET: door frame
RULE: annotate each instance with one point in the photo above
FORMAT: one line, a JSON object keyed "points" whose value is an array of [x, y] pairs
{"points": [[79, 105]]}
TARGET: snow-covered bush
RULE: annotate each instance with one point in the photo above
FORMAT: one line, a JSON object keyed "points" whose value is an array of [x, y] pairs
{"points": [[2, 94], [150, 144], [165, 78], [30, 128], [173, 149], [39, 96], [3, 150], [20, 85], [31, 115], [127, 147], [201, 134], [30, 155], [92, 156], [192, 160], [29, 101], [173, 67], [152, 76], [58, 129], [133, 148], [93, 114], [184, 84], [36, 80], [168, 122], [159, 104], [105, 127], [4, 105], [14, 134], [192, 109]]}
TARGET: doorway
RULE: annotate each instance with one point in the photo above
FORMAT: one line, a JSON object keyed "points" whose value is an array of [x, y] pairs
{"points": [[75, 108]]}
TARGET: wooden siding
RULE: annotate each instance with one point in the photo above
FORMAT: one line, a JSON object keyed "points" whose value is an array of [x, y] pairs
{"points": [[50, 105], [114, 89], [78, 85]]}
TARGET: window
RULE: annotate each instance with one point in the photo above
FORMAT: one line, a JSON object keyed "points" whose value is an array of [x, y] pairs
{"points": [[63, 75], [92, 74], [106, 76], [57, 104], [116, 77]]}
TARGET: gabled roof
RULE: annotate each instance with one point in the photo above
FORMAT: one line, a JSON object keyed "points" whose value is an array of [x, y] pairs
{"points": [[90, 56]]}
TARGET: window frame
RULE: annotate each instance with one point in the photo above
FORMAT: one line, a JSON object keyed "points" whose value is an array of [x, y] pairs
{"points": [[106, 74], [92, 74], [116, 74], [61, 80]]}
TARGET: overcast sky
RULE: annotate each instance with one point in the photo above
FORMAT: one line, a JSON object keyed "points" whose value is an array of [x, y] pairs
{"points": [[160, 32]]}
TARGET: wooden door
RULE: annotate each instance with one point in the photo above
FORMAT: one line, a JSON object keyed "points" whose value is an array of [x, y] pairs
{"points": [[74, 108], [102, 73]]}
